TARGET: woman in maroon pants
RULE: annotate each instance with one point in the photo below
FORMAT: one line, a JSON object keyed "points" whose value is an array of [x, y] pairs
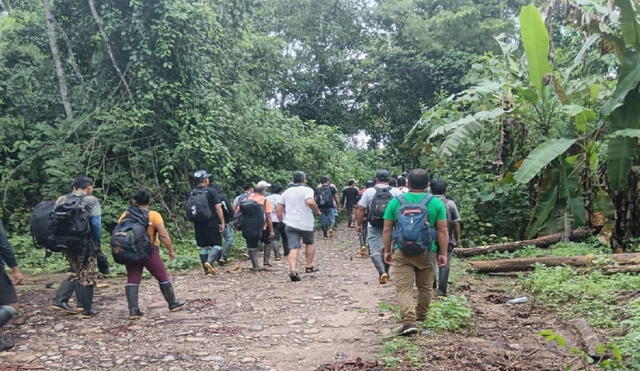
{"points": [[157, 233]]}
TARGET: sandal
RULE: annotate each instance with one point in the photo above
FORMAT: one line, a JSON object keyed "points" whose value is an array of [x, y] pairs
{"points": [[310, 269], [294, 276]]}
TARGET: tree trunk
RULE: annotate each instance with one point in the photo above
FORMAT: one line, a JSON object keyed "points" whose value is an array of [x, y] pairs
{"points": [[627, 205], [98, 20], [524, 264], [55, 53], [544, 241]]}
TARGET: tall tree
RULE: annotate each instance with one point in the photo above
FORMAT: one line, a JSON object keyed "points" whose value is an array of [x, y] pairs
{"points": [[55, 54]]}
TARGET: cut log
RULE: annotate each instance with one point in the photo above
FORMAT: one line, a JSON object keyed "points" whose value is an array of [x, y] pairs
{"points": [[622, 269], [524, 264], [589, 337], [578, 235]]}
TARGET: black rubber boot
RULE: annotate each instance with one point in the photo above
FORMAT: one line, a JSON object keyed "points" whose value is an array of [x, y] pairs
{"points": [[103, 264], [86, 296], [6, 343], [253, 255], [6, 313], [443, 280], [78, 298], [131, 291], [167, 291], [203, 259], [64, 293], [267, 255], [378, 262]]}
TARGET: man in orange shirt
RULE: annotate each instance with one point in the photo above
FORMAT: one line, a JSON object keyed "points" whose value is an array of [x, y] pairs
{"points": [[256, 217]]}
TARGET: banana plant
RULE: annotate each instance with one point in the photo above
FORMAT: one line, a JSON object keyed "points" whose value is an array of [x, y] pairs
{"points": [[623, 113]]}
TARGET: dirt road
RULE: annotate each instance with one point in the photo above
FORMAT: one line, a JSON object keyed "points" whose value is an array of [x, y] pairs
{"points": [[239, 320]]}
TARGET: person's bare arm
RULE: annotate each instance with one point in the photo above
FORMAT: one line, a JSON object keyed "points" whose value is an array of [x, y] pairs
{"points": [[311, 202], [360, 218], [443, 241], [280, 212], [270, 226], [387, 240], [457, 232], [220, 214], [16, 275], [337, 200], [164, 237]]}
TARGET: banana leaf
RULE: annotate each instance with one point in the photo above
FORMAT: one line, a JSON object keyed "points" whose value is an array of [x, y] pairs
{"points": [[541, 157], [536, 45]]}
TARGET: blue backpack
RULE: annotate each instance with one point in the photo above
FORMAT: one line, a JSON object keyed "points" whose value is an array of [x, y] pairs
{"points": [[413, 233]]}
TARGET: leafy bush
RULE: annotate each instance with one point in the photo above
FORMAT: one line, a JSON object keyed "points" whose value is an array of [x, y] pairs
{"points": [[449, 314]]}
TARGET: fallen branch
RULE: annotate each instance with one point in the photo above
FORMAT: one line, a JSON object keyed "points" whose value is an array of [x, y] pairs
{"points": [[524, 264], [544, 241]]}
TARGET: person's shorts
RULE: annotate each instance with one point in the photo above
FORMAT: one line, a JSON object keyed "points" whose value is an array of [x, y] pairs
{"points": [[295, 235], [7, 291]]}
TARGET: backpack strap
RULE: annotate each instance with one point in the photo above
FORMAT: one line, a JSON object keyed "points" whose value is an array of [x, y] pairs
{"points": [[402, 199], [425, 201]]}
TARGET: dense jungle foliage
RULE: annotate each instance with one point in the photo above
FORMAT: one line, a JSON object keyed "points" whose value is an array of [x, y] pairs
{"points": [[527, 112]]}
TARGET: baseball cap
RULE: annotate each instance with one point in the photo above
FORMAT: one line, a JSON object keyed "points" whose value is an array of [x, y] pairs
{"points": [[263, 184], [382, 175], [201, 175]]}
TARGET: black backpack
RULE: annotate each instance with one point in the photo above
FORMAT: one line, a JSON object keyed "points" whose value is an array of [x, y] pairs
{"points": [[69, 225], [324, 197], [39, 222], [130, 243], [378, 206], [227, 209], [197, 207], [252, 215], [237, 216]]}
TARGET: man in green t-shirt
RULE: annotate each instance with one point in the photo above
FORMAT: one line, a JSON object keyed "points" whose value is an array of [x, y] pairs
{"points": [[417, 268]]}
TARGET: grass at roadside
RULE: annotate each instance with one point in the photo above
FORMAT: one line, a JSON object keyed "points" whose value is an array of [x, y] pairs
{"points": [[608, 302], [448, 314]]}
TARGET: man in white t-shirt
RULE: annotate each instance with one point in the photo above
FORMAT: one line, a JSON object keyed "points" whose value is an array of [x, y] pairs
{"points": [[297, 212]]}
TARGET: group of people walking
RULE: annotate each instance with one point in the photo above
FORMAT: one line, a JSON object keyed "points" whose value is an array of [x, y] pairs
{"points": [[403, 229], [406, 230]]}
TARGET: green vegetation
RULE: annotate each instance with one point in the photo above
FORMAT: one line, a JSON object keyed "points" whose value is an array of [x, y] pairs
{"points": [[385, 306], [450, 313], [606, 301], [556, 133], [395, 350], [531, 110]]}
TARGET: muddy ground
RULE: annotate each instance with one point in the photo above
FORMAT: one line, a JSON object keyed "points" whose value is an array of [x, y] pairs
{"points": [[239, 320]]}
